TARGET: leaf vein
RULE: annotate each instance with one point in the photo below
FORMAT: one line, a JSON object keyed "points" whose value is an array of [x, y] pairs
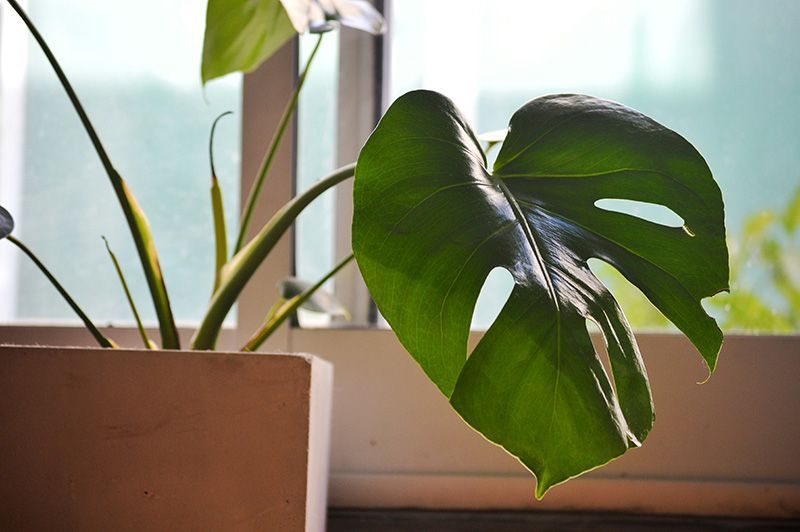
{"points": [[681, 184]]}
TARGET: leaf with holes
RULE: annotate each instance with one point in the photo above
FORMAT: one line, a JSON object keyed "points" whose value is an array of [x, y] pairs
{"points": [[431, 222]]}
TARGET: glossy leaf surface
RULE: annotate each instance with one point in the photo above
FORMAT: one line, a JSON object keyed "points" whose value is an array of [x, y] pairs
{"points": [[431, 222]]}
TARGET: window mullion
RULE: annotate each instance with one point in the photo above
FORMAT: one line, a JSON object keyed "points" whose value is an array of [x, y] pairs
{"points": [[360, 102], [265, 93]]}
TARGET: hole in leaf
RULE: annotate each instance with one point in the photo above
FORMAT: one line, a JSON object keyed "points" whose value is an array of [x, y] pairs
{"points": [[651, 212], [642, 315], [493, 296], [600, 347]]}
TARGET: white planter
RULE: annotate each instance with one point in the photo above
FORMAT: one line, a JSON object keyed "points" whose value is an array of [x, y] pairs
{"points": [[95, 439]]}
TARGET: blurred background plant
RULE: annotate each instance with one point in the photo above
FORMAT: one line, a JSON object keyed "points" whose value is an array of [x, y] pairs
{"points": [[765, 272]]}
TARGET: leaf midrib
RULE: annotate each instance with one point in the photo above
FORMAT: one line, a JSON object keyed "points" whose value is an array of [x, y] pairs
{"points": [[528, 231], [534, 245]]}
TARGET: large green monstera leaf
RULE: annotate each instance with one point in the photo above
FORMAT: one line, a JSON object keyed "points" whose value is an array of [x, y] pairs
{"points": [[431, 222]]}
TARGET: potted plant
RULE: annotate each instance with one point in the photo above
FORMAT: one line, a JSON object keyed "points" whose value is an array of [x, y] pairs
{"points": [[431, 220], [161, 437]]}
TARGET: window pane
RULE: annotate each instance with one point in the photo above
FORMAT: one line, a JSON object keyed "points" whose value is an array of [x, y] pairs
{"points": [[316, 154], [316, 157], [135, 66], [723, 73]]}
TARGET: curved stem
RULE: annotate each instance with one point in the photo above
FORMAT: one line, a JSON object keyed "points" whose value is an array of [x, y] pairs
{"points": [[211, 143], [102, 340], [142, 333], [243, 265], [217, 212], [258, 184]]}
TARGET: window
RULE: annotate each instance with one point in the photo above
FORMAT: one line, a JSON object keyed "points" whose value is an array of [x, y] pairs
{"points": [[395, 440], [699, 67], [317, 136], [145, 99]]}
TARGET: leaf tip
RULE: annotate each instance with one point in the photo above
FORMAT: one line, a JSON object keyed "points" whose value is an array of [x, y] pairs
{"points": [[711, 364], [541, 489], [711, 368], [211, 144]]}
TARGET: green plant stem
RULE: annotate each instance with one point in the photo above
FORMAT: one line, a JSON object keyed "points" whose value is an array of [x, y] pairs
{"points": [[218, 211], [220, 237], [243, 265], [258, 184], [137, 222], [102, 340], [276, 318], [147, 342]]}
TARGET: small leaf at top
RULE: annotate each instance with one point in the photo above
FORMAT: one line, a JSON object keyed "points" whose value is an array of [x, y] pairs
{"points": [[304, 14], [356, 14], [6, 223], [431, 221], [242, 34], [493, 138], [498, 135]]}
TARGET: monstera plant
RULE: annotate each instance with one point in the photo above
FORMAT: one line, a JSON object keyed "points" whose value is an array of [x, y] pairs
{"points": [[432, 220]]}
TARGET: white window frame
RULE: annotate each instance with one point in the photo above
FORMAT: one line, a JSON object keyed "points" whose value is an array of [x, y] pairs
{"points": [[726, 447]]}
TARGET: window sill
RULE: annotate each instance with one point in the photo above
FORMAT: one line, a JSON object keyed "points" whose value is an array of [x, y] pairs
{"points": [[726, 448]]}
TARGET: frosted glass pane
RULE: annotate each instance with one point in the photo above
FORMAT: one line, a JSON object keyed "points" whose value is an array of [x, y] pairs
{"points": [[135, 66], [723, 73], [316, 156]]}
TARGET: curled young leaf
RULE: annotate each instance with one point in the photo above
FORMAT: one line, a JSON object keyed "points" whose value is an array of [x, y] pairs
{"points": [[356, 14], [493, 138], [431, 221], [320, 301], [6, 223]]}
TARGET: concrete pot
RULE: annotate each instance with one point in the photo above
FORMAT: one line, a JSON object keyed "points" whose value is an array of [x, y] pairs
{"points": [[95, 439]]}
